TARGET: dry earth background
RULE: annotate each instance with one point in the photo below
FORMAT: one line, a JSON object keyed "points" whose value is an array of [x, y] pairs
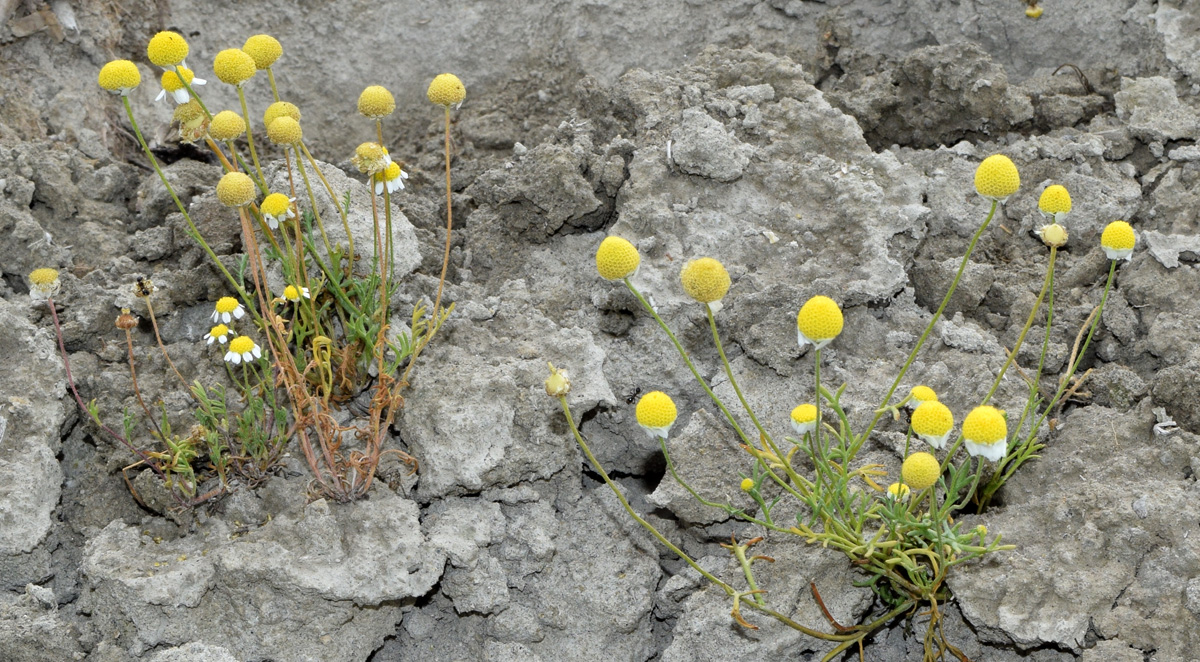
{"points": [[849, 129]]}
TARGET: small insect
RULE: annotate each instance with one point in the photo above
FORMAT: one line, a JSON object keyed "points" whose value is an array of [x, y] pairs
{"points": [[143, 288], [633, 396]]}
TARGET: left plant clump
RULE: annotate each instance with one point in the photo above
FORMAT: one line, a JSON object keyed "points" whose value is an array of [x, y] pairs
{"points": [[294, 357]]}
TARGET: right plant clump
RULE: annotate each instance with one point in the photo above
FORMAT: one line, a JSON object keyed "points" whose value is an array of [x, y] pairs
{"points": [[901, 535]]}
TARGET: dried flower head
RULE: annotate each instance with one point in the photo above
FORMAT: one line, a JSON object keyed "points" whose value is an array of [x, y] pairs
{"points": [[705, 280], [226, 125], [371, 158], [119, 77], [143, 288], [1118, 240], [276, 208], [446, 90], [234, 66], [985, 433], [126, 321], [173, 84], [920, 471], [264, 49], [1033, 12], [933, 422], [1053, 235], [280, 109], [236, 189], [557, 384], [193, 124], [227, 309], [818, 322], [167, 49], [376, 102], [656, 413], [1055, 202], [616, 259], [804, 419], [242, 348], [285, 131], [997, 178], [44, 283], [392, 177]]}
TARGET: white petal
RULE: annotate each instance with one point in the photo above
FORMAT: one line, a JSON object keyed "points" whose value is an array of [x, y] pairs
{"points": [[198, 81], [233, 357], [247, 357], [210, 338], [225, 318], [181, 95], [378, 188], [238, 312], [272, 222], [224, 338], [403, 175], [216, 316], [161, 95], [257, 352], [304, 292]]}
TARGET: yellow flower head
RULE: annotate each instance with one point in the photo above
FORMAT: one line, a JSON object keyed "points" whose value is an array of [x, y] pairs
{"points": [[1033, 12], [235, 189], [557, 384], [932, 421], [285, 131], [1055, 202], [446, 90], [997, 178], [804, 419], [293, 293], [226, 125], [705, 280], [919, 394], [280, 109], [227, 309], [1053, 235], [167, 49], [747, 484], [818, 322], [276, 208], [264, 48], [376, 102], [242, 348], [371, 158], [234, 66], [1118, 240], [985, 433], [119, 77], [920, 471], [392, 178], [616, 258], [173, 83], [898, 491], [43, 283], [656, 413], [219, 333]]}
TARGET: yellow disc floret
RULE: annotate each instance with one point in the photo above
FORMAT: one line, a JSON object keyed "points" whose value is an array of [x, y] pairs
{"points": [[264, 49], [167, 49], [617, 258], [1055, 201], [226, 125], [933, 421], [1118, 240], [241, 344], [920, 470], [235, 189], [818, 322], [898, 491], [376, 102], [275, 204], [446, 90], [985, 433], [656, 412], [43, 283], [997, 177], [804, 418], [43, 276], [119, 76], [1033, 12], [285, 131], [921, 393], [747, 484], [171, 81], [705, 280], [291, 293], [234, 66], [280, 109]]}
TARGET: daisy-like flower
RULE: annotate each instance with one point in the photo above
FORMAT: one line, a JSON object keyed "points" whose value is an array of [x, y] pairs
{"points": [[227, 310], [293, 293], [277, 208], [898, 491], [804, 419], [818, 322], [234, 66], [997, 178], [705, 280], [43, 284], [264, 48], [280, 109], [219, 333], [167, 49], [371, 158], [747, 484], [236, 189], [226, 125], [985, 433], [446, 90], [920, 470], [1118, 241], [920, 394], [119, 77], [242, 348], [656, 414], [285, 131], [173, 84], [376, 102], [1055, 202], [392, 177], [616, 258], [933, 422]]}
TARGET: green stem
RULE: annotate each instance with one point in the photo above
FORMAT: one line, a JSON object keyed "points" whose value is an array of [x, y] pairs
{"points": [[250, 135], [192, 92], [333, 198], [312, 200], [271, 78], [929, 327], [739, 551]]}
